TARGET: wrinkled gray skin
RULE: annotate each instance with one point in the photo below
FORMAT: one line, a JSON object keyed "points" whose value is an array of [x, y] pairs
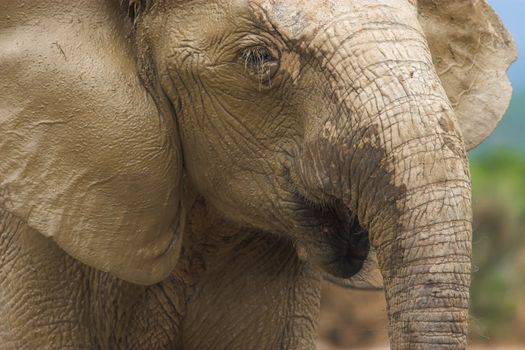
{"points": [[180, 174]]}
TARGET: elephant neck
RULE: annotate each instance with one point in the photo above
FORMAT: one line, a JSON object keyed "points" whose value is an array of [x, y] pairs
{"points": [[207, 235], [212, 242], [206, 229]]}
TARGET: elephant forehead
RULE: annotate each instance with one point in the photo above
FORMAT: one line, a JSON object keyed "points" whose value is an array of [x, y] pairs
{"points": [[299, 19]]}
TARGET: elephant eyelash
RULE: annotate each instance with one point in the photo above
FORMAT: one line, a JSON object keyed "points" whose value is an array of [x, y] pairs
{"points": [[260, 61], [256, 56]]}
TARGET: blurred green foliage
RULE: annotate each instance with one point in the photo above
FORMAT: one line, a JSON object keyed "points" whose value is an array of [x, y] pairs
{"points": [[497, 294]]}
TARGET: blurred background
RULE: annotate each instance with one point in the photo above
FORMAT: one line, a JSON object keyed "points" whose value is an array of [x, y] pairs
{"points": [[357, 319]]}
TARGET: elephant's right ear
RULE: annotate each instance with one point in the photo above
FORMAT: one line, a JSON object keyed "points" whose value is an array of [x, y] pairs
{"points": [[472, 51], [87, 157]]}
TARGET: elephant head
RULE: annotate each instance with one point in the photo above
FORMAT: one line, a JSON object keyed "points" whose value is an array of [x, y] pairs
{"points": [[342, 125]]}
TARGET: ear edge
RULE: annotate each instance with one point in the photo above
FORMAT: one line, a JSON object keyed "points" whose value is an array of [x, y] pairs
{"points": [[472, 51]]}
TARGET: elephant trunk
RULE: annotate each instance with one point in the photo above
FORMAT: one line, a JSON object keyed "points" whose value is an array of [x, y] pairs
{"points": [[424, 246], [412, 194], [394, 156], [411, 191]]}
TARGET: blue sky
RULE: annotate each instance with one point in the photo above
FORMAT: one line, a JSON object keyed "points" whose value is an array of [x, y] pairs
{"points": [[512, 12]]}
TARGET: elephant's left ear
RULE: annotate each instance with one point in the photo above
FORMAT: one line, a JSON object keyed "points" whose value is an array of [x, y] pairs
{"points": [[472, 51], [89, 155]]}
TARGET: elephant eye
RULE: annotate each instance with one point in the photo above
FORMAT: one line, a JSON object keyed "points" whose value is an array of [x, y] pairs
{"points": [[256, 56], [260, 62]]}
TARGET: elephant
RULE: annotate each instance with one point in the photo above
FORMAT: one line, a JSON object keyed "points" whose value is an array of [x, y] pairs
{"points": [[183, 174]]}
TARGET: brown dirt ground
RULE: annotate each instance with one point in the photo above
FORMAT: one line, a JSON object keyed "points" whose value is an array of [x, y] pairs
{"points": [[352, 319]]}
